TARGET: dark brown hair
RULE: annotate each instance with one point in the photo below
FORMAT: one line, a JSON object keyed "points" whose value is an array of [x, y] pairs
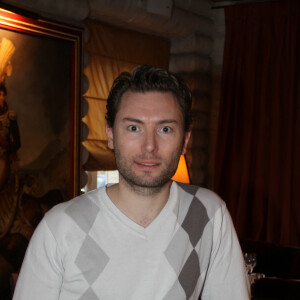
{"points": [[145, 79]]}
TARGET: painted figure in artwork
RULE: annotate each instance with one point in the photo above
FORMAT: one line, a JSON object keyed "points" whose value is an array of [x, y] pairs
{"points": [[9, 144], [9, 131], [9, 138], [20, 211]]}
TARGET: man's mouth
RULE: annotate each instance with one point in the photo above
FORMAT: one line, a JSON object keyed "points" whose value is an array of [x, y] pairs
{"points": [[147, 163]]}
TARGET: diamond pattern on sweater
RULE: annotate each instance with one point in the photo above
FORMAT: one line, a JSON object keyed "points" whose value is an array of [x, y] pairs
{"points": [[83, 213], [188, 188], [189, 274], [89, 295], [179, 247], [176, 292], [91, 260], [193, 224]]}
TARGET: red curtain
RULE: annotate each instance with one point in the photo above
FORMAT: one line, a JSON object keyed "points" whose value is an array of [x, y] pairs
{"points": [[257, 159]]}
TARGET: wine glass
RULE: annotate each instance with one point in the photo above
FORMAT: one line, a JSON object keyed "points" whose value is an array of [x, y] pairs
{"points": [[250, 260]]}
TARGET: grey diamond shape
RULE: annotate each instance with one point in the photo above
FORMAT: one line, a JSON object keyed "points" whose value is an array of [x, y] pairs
{"points": [[83, 212], [189, 274], [191, 189], [89, 295], [195, 221], [176, 292], [177, 249], [91, 260]]}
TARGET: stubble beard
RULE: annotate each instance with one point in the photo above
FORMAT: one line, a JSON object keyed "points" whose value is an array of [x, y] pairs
{"points": [[141, 184]]}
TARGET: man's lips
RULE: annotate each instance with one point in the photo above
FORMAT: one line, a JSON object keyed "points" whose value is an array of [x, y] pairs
{"points": [[147, 163]]}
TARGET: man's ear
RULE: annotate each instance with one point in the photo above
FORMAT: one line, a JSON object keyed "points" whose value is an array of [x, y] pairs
{"points": [[187, 136], [110, 137]]}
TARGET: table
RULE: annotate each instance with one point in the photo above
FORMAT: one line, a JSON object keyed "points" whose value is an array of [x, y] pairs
{"points": [[276, 288]]}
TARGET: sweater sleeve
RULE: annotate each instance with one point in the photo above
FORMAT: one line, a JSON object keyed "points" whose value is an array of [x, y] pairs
{"points": [[42, 270], [226, 278]]}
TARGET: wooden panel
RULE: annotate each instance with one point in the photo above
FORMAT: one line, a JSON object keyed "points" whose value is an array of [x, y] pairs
{"points": [[127, 45], [95, 119]]}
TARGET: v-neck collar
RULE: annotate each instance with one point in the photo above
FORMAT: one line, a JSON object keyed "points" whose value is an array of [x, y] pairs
{"points": [[144, 232]]}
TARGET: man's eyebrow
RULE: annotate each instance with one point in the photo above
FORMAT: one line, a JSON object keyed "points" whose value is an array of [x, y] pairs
{"points": [[132, 120], [167, 121]]}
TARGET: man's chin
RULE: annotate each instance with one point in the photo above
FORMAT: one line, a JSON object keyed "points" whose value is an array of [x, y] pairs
{"points": [[147, 183], [146, 188]]}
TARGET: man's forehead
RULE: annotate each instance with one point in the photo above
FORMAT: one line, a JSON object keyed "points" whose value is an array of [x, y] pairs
{"points": [[158, 107], [153, 96]]}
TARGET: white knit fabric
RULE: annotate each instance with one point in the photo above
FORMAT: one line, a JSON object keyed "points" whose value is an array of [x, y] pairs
{"points": [[88, 249]]}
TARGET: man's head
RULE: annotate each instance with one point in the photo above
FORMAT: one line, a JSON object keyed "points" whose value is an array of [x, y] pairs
{"points": [[148, 123], [146, 79]]}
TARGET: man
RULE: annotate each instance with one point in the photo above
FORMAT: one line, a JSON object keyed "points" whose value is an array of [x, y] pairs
{"points": [[145, 237]]}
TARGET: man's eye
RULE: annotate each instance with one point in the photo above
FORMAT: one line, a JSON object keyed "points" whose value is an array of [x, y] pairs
{"points": [[166, 129], [133, 128]]}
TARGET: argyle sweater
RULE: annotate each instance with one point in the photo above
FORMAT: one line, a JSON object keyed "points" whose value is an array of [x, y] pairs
{"points": [[88, 249]]}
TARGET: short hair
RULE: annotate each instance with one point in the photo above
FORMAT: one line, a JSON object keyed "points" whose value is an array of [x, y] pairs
{"points": [[3, 88], [143, 79]]}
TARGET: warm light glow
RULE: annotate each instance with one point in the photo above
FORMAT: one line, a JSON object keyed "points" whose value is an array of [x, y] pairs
{"points": [[182, 174], [5, 11], [1, 9]]}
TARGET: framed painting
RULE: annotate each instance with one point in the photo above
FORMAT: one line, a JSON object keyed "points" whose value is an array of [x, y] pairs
{"points": [[40, 115]]}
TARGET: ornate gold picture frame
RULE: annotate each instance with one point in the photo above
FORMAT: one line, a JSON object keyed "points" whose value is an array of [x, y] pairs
{"points": [[41, 69]]}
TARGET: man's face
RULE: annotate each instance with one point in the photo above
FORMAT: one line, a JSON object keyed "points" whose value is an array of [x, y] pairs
{"points": [[147, 138], [2, 98]]}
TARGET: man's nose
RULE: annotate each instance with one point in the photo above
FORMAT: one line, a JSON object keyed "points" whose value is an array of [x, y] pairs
{"points": [[150, 142]]}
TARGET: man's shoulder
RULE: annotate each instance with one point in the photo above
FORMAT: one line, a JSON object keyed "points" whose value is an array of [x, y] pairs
{"points": [[202, 194], [201, 198], [81, 207], [83, 198]]}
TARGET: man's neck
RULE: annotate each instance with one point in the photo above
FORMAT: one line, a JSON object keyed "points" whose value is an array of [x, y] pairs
{"points": [[142, 208]]}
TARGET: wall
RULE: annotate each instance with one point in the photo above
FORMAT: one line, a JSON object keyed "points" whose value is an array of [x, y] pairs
{"points": [[196, 35]]}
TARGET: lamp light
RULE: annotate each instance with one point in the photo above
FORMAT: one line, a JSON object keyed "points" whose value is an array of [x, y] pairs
{"points": [[7, 8], [182, 174]]}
